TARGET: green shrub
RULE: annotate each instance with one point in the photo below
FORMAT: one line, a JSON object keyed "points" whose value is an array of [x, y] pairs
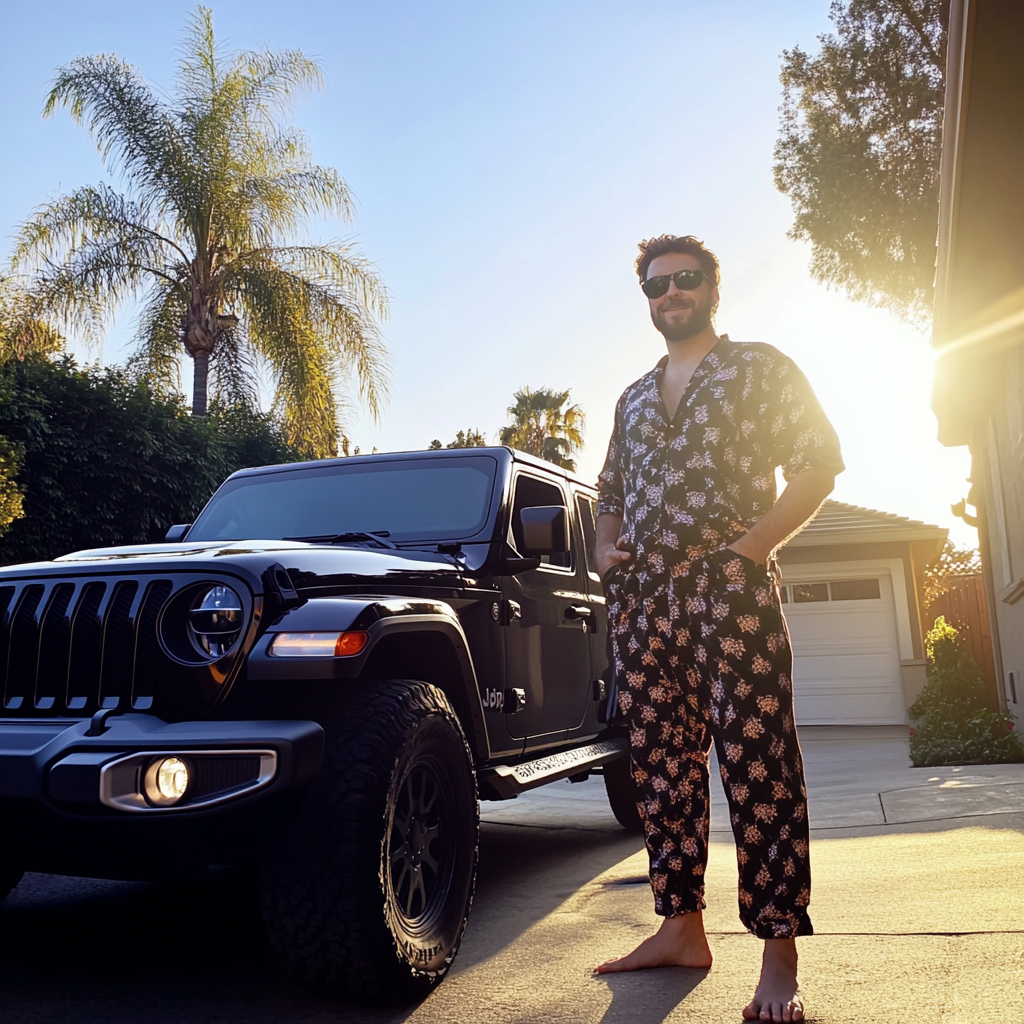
{"points": [[954, 722], [106, 459]]}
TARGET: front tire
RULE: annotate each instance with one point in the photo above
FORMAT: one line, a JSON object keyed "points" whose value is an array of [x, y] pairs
{"points": [[369, 891], [621, 790]]}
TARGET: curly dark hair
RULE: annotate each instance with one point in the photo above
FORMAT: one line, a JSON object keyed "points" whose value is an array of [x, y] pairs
{"points": [[652, 248]]}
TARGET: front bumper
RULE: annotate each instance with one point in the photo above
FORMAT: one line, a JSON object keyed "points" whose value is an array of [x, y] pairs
{"points": [[76, 803]]}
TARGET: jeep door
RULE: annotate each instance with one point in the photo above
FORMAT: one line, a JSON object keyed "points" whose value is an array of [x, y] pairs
{"points": [[547, 643]]}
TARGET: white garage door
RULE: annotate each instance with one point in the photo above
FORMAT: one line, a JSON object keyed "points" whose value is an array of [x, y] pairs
{"points": [[846, 667]]}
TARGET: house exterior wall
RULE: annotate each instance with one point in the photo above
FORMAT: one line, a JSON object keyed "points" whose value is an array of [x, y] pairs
{"points": [[999, 470], [978, 393]]}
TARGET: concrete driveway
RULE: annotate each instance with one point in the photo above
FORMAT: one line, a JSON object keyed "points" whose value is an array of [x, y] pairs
{"points": [[918, 907]]}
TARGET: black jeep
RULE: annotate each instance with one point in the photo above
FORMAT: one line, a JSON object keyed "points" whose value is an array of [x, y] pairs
{"points": [[318, 677]]}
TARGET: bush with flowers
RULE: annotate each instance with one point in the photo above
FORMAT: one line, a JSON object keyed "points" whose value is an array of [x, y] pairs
{"points": [[954, 723]]}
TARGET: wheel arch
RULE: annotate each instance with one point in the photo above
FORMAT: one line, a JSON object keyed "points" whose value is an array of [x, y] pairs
{"points": [[434, 653]]}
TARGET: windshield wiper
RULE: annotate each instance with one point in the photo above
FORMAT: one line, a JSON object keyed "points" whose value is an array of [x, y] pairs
{"points": [[349, 537]]}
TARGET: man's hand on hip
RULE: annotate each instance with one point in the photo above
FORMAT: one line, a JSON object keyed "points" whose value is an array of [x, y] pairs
{"points": [[797, 503], [608, 555]]}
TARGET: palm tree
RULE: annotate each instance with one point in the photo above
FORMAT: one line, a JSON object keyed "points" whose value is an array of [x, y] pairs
{"points": [[216, 186], [543, 427]]}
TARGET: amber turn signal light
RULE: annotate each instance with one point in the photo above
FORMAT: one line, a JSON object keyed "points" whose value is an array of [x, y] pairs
{"points": [[351, 643], [319, 645]]}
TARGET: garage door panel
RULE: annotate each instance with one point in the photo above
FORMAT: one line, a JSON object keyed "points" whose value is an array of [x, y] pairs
{"points": [[846, 668], [861, 709], [853, 668], [836, 622]]}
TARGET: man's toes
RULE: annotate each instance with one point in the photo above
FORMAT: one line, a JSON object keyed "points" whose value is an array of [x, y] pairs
{"points": [[751, 1010]]}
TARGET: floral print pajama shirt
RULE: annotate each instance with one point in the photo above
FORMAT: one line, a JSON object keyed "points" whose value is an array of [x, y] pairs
{"points": [[700, 646]]}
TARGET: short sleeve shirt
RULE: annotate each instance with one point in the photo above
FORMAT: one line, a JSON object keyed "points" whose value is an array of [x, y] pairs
{"points": [[711, 469]]}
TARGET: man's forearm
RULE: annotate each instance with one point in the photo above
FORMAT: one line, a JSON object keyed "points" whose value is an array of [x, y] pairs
{"points": [[797, 503], [609, 530]]}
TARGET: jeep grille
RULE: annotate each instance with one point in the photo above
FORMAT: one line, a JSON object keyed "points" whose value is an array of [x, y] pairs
{"points": [[73, 647]]}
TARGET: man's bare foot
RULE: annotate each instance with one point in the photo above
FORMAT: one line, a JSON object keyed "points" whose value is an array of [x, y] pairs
{"points": [[778, 993], [679, 942]]}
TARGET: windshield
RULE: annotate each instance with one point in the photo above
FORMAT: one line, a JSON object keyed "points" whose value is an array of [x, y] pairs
{"points": [[418, 499]]}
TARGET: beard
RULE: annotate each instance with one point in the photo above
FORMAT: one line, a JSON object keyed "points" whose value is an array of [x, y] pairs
{"points": [[700, 317]]}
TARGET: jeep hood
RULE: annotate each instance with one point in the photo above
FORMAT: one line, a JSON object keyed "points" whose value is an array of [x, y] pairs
{"points": [[311, 566]]}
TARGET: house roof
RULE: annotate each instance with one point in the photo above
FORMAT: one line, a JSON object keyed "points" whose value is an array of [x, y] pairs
{"points": [[839, 523]]}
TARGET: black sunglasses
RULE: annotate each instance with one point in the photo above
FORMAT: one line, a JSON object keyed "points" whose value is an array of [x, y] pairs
{"points": [[685, 281]]}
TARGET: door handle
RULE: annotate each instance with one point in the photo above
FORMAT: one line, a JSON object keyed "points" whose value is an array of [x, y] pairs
{"points": [[579, 611]]}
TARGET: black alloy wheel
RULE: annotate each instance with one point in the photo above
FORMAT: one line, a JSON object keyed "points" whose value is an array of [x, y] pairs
{"points": [[420, 854]]}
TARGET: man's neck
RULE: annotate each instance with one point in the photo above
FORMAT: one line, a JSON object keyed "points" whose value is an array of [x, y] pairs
{"points": [[690, 351]]}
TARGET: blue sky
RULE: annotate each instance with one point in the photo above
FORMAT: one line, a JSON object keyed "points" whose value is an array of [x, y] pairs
{"points": [[507, 157]]}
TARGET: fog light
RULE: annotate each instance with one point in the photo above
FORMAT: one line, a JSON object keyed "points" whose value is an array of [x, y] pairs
{"points": [[166, 781], [319, 645]]}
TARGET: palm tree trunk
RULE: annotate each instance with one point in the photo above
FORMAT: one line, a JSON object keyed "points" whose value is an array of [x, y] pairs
{"points": [[202, 373]]}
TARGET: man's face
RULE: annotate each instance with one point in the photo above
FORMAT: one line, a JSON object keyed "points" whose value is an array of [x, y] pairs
{"points": [[679, 315]]}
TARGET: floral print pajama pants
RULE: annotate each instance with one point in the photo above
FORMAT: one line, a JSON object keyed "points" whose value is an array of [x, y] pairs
{"points": [[702, 655]]}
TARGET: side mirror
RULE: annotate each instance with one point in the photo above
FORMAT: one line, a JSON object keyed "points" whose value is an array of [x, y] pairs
{"points": [[176, 533], [544, 530]]}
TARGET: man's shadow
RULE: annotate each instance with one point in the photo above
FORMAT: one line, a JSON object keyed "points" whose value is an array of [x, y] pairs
{"points": [[648, 997]]}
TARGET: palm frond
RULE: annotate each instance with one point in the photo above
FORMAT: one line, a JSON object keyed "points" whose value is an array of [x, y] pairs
{"points": [[233, 370], [311, 334], [157, 352], [134, 133]]}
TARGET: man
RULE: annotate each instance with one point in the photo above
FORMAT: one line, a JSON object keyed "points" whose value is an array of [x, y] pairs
{"points": [[687, 526]]}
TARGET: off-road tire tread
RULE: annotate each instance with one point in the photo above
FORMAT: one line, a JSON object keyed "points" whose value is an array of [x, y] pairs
{"points": [[328, 930]]}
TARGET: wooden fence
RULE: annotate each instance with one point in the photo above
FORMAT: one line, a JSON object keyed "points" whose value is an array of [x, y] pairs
{"points": [[965, 608]]}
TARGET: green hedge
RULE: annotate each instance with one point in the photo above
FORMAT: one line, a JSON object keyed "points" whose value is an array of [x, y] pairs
{"points": [[954, 721], [102, 458]]}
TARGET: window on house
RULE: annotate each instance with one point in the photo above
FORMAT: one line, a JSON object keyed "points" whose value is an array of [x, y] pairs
{"points": [[809, 593]]}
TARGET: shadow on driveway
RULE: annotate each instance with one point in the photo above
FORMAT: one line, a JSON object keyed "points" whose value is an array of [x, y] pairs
{"points": [[82, 951]]}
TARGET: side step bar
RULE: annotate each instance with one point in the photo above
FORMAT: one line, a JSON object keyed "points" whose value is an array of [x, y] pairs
{"points": [[504, 781]]}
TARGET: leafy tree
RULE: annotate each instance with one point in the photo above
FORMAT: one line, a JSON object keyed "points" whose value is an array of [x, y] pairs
{"points": [[954, 720], [463, 439], [217, 186], [545, 426], [952, 563], [858, 150], [11, 492], [106, 459], [24, 332], [23, 327]]}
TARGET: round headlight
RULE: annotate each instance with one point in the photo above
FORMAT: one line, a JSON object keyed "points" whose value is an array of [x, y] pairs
{"points": [[166, 781], [215, 620]]}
